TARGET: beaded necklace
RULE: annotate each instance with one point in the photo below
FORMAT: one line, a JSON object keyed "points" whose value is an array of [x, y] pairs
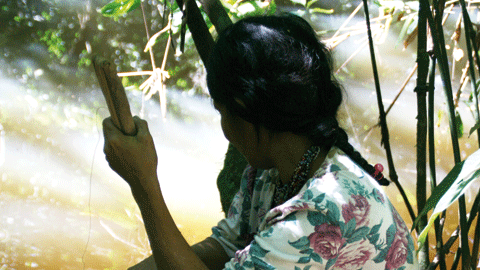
{"points": [[299, 177]]}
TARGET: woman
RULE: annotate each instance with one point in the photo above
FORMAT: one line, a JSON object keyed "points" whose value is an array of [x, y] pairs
{"points": [[307, 199]]}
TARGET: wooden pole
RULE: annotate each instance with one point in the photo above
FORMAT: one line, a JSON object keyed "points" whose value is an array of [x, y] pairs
{"points": [[114, 94]]}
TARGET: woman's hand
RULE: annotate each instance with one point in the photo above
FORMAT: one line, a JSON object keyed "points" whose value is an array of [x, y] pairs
{"points": [[132, 157]]}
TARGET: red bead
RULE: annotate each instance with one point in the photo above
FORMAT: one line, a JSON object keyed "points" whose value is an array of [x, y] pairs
{"points": [[378, 167]]}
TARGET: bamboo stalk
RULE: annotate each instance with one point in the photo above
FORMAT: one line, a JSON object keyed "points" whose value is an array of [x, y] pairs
{"points": [[471, 49], [198, 28], [431, 160], [440, 52], [217, 14], [467, 25], [440, 258], [454, 235], [383, 120], [114, 94], [421, 90]]}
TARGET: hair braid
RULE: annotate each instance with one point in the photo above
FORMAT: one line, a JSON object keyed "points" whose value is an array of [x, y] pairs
{"points": [[345, 146]]}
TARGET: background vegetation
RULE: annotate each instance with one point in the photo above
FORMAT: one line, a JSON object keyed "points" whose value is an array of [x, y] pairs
{"points": [[73, 35]]}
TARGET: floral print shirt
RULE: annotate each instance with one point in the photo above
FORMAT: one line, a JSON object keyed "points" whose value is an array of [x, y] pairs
{"points": [[340, 220]]}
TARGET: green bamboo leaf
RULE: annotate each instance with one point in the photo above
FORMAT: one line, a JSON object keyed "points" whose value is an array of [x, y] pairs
{"points": [[459, 122], [449, 190], [406, 27], [474, 128], [321, 10], [119, 7]]}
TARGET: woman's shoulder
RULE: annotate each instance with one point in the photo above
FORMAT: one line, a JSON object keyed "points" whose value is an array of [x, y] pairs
{"points": [[344, 214]]}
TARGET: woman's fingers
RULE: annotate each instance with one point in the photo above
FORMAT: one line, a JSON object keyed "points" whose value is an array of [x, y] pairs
{"points": [[110, 134], [132, 157], [141, 125]]}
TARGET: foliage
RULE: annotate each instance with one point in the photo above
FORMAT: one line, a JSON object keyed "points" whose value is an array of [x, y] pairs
{"points": [[119, 7], [52, 38], [458, 180]]}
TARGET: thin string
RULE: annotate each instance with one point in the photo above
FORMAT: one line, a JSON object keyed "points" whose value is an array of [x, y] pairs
{"points": [[90, 190]]}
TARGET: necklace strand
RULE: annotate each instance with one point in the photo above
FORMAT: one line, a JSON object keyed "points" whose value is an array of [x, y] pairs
{"points": [[299, 177]]}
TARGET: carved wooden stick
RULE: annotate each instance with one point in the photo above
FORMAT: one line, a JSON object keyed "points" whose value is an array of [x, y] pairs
{"points": [[114, 94]]}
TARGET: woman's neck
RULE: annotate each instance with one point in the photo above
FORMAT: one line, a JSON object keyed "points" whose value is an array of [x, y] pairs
{"points": [[286, 151]]}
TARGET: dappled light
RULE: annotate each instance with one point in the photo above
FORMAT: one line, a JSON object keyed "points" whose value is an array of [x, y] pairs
{"points": [[62, 207]]}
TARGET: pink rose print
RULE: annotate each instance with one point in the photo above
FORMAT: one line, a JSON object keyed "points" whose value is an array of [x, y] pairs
{"points": [[379, 196], [402, 229], [241, 255], [359, 209], [296, 207], [326, 240], [397, 253], [281, 211], [354, 255]]}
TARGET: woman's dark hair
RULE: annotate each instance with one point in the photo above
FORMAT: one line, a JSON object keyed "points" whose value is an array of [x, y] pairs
{"points": [[273, 71]]}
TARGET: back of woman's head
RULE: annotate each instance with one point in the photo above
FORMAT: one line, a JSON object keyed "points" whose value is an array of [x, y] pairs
{"points": [[273, 71]]}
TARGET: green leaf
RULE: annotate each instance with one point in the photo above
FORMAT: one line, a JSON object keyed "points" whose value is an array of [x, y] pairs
{"points": [[304, 260], [474, 128], [302, 243], [382, 255], [359, 234], [319, 198], [406, 25], [376, 228], [118, 8], [330, 263], [350, 227], [391, 231], [449, 190], [272, 8], [308, 195], [290, 217], [259, 264], [257, 251], [459, 122], [373, 238], [316, 257], [334, 168], [306, 251], [333, 211], [321, 10]]}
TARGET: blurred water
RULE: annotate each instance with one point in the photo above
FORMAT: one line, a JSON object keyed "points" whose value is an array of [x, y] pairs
{"points": [[49, 141]]}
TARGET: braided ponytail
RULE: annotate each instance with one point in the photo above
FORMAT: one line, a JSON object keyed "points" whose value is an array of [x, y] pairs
{"points": [[345, 146]]}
